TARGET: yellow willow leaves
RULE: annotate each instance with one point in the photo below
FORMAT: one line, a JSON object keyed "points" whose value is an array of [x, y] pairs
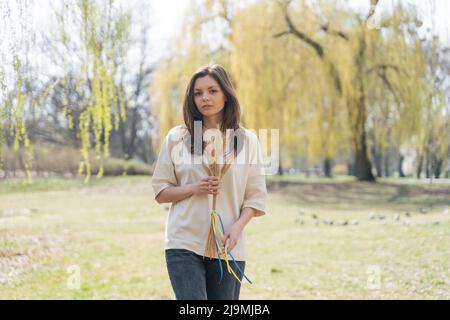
{"points": [[98, 111], [86, 143], [104, 96], [18, 127], [265, 72]]}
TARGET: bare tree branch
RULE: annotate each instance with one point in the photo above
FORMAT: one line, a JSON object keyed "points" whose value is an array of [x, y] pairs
{"points": [[383, 67], [340, 34], [318, 48], [282, 34], [389, 85], [305, 38], [373, 6]]}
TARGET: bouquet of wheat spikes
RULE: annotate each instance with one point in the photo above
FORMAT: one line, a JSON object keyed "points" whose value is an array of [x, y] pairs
{"points": [[213, 248]]}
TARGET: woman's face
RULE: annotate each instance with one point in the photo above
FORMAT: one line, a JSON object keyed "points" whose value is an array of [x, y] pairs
{"points": [[208, 96]]}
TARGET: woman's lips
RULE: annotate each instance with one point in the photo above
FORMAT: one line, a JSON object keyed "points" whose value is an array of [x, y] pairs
{"points": [[206, 107]]}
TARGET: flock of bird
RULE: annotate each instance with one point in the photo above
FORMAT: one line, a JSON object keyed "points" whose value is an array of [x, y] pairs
{"points": [[404, 218]]}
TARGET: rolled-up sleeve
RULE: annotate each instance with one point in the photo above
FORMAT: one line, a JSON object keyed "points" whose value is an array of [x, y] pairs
{"points": [[164, 172], [255, 191]]}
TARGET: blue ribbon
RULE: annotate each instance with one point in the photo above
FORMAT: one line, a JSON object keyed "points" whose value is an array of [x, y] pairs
{"points": [[234, 261]]}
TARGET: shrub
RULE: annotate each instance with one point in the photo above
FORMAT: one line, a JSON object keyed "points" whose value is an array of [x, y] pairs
{"points": [[50, 159]]}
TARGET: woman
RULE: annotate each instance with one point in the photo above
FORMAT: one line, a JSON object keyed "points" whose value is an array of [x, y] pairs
{"points": [[182, 178]]}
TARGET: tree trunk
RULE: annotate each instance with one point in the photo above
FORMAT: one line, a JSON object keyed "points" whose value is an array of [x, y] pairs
{"points": [[280, 169], [419, 166], [131, 146], [363, 167], [428, 166], [438, 168], [327, 167], [400, 164], [378, 156], [362, 164], [387, 172], [350, 168]]}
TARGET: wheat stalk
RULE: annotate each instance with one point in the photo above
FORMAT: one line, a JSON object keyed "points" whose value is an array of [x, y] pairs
{"points": [[213, 170], [213, 248]]}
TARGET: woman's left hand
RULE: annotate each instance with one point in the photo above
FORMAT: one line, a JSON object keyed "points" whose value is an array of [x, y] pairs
{"points": [[232, 236]]}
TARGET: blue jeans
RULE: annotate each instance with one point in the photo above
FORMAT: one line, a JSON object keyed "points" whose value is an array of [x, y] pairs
{"points": [[196, 278]]}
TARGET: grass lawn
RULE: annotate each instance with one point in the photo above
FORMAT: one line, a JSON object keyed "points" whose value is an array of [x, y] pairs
{"points": [[321, 239]]}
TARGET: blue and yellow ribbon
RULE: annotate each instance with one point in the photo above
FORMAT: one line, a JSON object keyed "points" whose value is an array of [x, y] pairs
{"points": [[213, 247], [222, 254]]}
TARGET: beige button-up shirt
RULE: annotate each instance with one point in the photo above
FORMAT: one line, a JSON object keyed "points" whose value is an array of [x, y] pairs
{"points": [[243, 185]]}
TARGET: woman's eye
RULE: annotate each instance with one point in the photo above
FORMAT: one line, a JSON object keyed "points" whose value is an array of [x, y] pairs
{"points": [[199, 93]]}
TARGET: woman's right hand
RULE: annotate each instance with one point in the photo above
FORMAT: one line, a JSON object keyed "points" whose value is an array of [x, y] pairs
{"points": [[209, 184]]}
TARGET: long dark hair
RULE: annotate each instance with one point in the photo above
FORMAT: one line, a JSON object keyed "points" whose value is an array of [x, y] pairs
{"points": [[231, 110]]}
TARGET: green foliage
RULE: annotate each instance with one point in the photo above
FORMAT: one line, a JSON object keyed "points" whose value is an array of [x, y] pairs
{"points": [[100, 42]]}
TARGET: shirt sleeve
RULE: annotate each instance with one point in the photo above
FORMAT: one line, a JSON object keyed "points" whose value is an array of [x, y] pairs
{"points": [[164, 171], [255, 191]]}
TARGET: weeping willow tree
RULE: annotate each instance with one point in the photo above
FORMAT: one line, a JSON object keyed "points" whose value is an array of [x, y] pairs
{"points": [[267, 75], [103, 33], [346, 68], [96, 31], [394, 81], [407, 101], [18, 39], [352, 58], [431, 140], [324, 120]]}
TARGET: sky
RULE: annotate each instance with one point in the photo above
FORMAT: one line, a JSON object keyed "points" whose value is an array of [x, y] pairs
{"points": [[167, 17]]}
